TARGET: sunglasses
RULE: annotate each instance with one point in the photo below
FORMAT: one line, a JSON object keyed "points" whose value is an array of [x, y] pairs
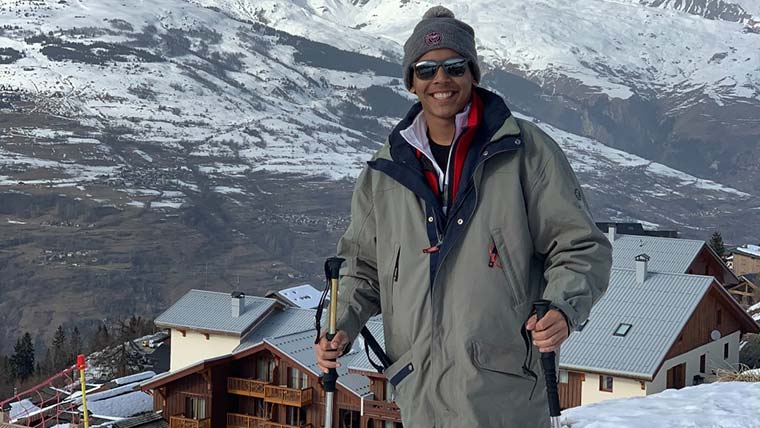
{"points": [[454, 67]]}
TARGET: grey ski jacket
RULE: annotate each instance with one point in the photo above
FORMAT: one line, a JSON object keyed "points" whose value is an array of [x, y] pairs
{"points": [[455, 291]]}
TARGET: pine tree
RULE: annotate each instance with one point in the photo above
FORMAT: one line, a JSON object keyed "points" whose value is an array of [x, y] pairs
{"points": [[75, 344], [60, 354], [101, 339], [716, 242], [22, 360]]}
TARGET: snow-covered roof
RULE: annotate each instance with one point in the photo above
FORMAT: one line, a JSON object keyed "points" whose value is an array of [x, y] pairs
{"points": [[749, 250], [134, 378], [656, 310], [302, 296], [20, 409], [212, 311], [120, 406]]}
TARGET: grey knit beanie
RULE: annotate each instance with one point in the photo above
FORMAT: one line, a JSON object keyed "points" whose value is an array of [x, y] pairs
{"points": [[440, 29]]}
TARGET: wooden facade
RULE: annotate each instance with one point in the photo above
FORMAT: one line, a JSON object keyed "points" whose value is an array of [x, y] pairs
{"points": [[709, 264], [570, 393], [264, 389], [745, 263]]}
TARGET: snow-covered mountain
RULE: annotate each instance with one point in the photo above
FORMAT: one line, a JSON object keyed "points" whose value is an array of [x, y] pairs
{"points": [[664, 80], [146, 148]]}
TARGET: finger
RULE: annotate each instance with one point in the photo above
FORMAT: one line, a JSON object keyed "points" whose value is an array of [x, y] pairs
{"points": [[550, 318], [531, 323], [552, 342], [547, 333], [328, 355], [327, 364]]}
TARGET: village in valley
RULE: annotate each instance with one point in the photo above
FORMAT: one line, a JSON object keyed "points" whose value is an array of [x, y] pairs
{"points": [[679, 319]]}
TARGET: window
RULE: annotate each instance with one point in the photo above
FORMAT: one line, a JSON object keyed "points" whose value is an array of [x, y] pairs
{"points": [[259, 409], [264, 369], [195, 408], [295, 416], [348, 418], [622, 330], [563, 378], [725, 351], [702, 363], [605, 383], [296, 379]]}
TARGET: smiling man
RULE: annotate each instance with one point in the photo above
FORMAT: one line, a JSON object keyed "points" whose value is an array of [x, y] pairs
{"points": [[462, 220]]}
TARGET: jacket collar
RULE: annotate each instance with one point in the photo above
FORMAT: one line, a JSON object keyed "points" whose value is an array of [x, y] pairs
{"points": [[498, 122]]}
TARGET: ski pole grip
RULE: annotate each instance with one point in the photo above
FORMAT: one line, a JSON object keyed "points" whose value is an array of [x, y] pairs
{"points": [[541, 307], [333, 267]]}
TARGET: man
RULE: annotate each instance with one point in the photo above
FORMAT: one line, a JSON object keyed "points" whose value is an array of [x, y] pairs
{"points": [[459, 223]]}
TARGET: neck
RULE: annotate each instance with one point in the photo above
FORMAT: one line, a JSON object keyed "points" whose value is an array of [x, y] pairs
{"points": [[441, 130]]}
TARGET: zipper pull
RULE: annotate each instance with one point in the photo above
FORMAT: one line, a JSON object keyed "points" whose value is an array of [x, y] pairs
{"points": [[493, 255]]}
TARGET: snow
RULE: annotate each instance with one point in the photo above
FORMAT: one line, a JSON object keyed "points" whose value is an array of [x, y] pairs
{"points": [[753, 308], [122, 406], [16, 222], [22, 408], [715, 405], [135, 377], [752, 250], [641, 48]]}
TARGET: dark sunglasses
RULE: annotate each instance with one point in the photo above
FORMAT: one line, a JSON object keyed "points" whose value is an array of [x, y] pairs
{"points": [[454, 67]]}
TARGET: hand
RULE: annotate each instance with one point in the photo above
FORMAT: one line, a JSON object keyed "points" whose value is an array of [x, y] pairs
{"points": [[550, 332], [330, 350]]}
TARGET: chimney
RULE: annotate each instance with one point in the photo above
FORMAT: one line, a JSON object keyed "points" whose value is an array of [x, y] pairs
{"points": [[611, 232], [238, 303], [641, 268]]}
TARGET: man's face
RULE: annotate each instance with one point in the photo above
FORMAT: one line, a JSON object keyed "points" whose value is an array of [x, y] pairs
{"points": [[443, 96]]}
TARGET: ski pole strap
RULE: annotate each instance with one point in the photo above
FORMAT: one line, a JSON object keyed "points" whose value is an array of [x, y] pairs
{"points": [[371, 342], [321, 305]]}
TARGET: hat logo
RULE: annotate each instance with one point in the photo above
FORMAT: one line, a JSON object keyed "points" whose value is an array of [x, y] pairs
{"points": [[434, 38]]}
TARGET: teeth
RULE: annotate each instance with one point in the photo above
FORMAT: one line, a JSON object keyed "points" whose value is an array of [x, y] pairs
{"points": [[442, 95]]}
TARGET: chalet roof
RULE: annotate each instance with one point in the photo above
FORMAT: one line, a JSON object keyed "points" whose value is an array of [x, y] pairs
{"points": [[212, 311], [282, 322], [302, 296], [656, 311], [149, 420], [299, 346], [749, 251], [668, 255]]}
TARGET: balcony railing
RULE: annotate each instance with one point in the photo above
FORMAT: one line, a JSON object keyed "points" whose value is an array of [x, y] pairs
{"points": [[249, 387], [237, 420], [271, 424], [288, 396], [384, 410], [180, 421]]}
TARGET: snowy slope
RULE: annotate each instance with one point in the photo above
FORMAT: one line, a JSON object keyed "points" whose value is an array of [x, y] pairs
{"points": [[161, 103], [715, 405], [641, 49]]}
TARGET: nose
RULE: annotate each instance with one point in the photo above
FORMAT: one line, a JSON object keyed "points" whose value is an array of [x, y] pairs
{"points": [[441, 75]]}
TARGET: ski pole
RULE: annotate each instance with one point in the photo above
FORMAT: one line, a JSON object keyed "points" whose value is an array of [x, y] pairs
{"points": [[548, 365], [331, 377]]}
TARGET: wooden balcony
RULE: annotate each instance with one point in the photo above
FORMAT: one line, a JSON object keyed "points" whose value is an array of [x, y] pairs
{"points": [[237, 420], [385, 410], [180, 421], [270, 424], [288, 396], [248, 387]]}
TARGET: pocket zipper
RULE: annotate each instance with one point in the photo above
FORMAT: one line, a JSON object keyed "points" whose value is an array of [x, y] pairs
{"points": [[395, 269]]}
